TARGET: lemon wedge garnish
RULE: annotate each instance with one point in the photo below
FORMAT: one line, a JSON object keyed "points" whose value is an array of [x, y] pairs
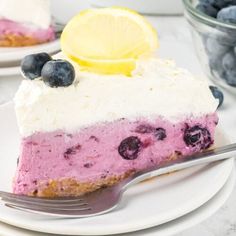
{"points": [[108, 40]]}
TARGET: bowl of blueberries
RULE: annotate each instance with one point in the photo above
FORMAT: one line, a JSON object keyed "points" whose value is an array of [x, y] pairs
{"points": [[213, 27]]}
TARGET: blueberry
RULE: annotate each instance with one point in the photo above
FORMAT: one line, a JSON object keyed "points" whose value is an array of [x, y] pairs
{"points": [[218, 73], [216, 47], [225, 38], [58, 73], [227, 15], [222, 3], [229, 64], [197, 137], [207, 1], [32, 65], [219, 4], [214, 62], [160, 133], [229, 61], [130, 147], [217, 94], [230, 77], [207, 9]]}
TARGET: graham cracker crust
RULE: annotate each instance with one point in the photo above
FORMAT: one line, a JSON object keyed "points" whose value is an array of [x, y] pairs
{"points": [[11, 40], [69, 187]]}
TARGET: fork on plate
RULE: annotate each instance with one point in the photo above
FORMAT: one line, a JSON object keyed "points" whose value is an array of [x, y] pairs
{"points": [[107, 199]]}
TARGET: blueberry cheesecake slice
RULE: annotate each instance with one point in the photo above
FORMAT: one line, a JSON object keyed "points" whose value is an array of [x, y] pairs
{"points": [[25, 23], [82, 130]]}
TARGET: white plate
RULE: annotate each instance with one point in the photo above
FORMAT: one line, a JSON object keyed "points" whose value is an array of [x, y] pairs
{"points": [[145, 205], [167, 229], [8, 54]]}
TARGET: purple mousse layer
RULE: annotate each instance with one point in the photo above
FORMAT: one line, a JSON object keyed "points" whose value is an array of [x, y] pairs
{"points": [[8, 27], [108, 149]]}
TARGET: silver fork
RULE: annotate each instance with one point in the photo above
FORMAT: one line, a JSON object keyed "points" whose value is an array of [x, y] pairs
{"points": [[107, 199]]}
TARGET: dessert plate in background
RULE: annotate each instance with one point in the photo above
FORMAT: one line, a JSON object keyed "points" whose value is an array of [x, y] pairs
{"points": [[8, 54], [11, 57], [148, 204]]}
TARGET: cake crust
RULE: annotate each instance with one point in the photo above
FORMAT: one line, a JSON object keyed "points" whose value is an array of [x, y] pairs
{"points": [[12, 40], [70, 187]]}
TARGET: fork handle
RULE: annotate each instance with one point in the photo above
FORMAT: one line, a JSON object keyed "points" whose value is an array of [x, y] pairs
{"points": [[206, 157]]}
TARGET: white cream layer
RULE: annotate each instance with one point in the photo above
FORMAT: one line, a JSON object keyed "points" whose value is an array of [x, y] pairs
{"points": [[157, 88], [35, 12]]}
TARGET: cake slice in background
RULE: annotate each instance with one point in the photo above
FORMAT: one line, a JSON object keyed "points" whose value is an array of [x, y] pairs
{"points": [[82, 130], [25, 23]]}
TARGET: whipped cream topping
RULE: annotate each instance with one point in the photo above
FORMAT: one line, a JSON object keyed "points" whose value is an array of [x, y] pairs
{"points": [[35, 12], [156, 88]]}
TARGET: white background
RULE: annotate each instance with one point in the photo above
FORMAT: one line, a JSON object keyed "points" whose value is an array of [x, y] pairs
{"points": [[147, 6]]}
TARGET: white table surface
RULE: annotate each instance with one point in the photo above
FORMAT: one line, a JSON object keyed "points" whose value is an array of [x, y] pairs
{"points": [[174, 29]]}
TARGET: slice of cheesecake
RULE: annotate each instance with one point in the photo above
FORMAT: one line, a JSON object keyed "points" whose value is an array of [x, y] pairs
{"points": [[102, 129], [82, 130], [25, 23]]}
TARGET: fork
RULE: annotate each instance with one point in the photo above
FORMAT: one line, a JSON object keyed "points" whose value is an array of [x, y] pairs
{"points": [[107, 199]]}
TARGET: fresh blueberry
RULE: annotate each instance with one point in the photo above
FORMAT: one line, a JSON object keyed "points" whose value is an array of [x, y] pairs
{"points": [[231, 77], [58, 73], [219, 72], [223, 3], [217, 94], [227, 39], [219, 4], [216, 47], [197, 137], [229, 61], [207, 9], [229, 64], [160, 133], [130, 147], [207, 1], [32, 65], [227, 15], [214, 62]]}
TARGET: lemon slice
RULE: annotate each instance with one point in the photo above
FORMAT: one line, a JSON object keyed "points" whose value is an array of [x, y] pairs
{"points": [[108, 40]]}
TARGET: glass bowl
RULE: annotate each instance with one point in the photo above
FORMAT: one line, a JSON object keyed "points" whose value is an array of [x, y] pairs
{"points": [[215, 45]]}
